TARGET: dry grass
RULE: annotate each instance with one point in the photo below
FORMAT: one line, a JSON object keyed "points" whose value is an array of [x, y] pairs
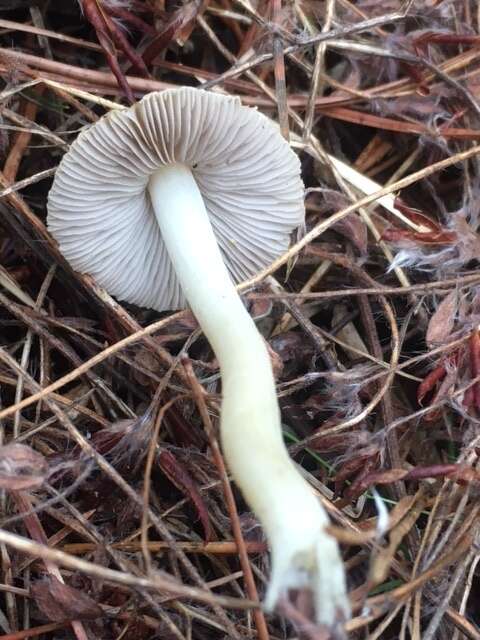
{"points": [[117, 517]]}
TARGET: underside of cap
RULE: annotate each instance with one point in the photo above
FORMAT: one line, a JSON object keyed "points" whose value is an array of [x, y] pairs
{"points": [[99, 209]]}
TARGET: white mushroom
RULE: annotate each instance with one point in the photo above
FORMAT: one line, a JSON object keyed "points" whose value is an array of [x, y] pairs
{"points": [[174, 200]]}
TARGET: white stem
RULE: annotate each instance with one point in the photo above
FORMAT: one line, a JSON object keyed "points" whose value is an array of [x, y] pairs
{"points": [[303, 554]]}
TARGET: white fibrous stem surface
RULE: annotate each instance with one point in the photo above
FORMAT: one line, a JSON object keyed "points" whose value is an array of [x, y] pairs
{"points": [[294, 521]]}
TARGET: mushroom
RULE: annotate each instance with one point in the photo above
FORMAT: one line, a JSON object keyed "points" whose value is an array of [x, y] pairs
{"points": [[171, 202]]}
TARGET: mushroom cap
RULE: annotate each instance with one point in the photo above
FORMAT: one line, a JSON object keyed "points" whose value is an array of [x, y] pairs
{"points": [[99, 208]]}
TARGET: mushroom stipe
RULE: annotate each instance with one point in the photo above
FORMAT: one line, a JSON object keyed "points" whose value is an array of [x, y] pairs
{"points": [[170, 203]]}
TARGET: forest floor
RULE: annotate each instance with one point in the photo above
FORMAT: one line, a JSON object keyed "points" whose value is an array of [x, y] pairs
{"points": [[115, 517]]}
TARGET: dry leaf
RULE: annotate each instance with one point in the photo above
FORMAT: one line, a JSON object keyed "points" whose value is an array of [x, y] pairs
{"points": [[348, 333], [175, 28], [21, 468], [353, 228], [181, 478], [59, 602], [381, 562], [442, 321]]}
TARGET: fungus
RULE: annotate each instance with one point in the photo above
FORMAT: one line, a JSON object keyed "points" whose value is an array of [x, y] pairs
{"points": [[171, 202]]}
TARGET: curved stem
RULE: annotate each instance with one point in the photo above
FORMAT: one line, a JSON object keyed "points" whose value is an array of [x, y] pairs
{"points": [[292, 517]]}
